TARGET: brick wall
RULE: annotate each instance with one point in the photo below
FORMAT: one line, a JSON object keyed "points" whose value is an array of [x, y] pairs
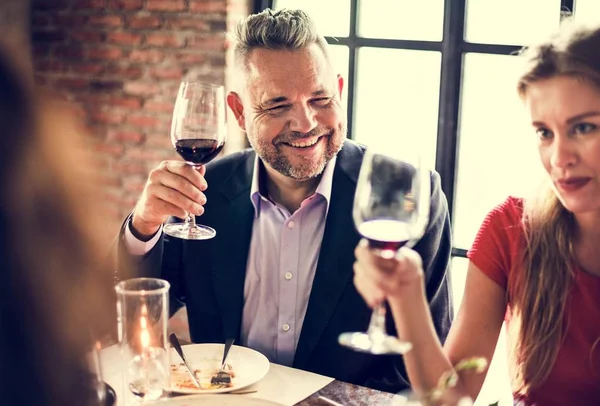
{"points": [[120, 62]]}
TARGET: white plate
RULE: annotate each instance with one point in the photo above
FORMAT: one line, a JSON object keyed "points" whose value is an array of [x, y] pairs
{"points": [[248, 365], [215, 400]]}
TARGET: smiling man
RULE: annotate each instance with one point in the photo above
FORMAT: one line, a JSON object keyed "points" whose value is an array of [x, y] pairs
{"points": [[278, 275]]}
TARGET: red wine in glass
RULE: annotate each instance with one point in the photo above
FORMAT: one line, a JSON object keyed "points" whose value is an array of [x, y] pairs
{"points": [[198, 151], [385, 234]]}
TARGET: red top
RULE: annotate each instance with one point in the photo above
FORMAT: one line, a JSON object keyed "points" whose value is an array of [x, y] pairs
{"points": [[575, 376]]}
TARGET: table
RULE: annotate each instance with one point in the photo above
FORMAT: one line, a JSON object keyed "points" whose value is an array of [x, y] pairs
{"points": [[285, 385]]}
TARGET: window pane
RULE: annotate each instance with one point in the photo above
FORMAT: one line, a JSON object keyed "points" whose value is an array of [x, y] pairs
{"points": [[339, 58], [512, 22], [397, 93], [497, 153], [496, 386], [401, 19], [331, 16], [587, 10]]}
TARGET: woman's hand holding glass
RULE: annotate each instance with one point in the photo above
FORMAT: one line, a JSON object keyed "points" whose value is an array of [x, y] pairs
{"points": [[378, 278]]}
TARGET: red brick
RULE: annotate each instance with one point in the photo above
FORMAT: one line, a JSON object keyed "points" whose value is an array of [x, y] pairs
{"points": [[105, 53], [70, 21], [141, 88], [165, 40], [105, 21], [131, 137], [124, 72], [166, 5], [108, 179], [144, 22], [166, 73], [108, 117], [208, 6], [143, 121], [134, 103], [54, 66], [110, 149], [207, 43], [146, 56], [71, 84], [124, 38], [125, 4], [182, 23], [158, 107], [87, 68], [89, 4], [88, 37], [190, 59]]}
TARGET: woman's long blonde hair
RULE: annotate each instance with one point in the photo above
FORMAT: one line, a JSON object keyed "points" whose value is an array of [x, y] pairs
{"points": [[541, 283]]}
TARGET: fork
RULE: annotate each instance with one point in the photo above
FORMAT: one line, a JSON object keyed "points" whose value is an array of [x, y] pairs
{"points": [[222, 377]]}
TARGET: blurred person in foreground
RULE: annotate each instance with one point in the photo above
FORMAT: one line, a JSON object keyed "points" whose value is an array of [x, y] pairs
{"points": [[535, 262], [278, 275], [55, 298]]}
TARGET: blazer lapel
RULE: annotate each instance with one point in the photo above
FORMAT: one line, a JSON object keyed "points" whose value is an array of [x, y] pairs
{"points": [[334, 269], [231, 246]]}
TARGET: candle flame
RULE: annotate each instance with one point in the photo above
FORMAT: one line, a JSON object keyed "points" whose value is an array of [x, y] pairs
{"points": [[145, 338]]}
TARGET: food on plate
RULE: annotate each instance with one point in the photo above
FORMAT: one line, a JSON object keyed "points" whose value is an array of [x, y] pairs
{"points": [[181, 380]]}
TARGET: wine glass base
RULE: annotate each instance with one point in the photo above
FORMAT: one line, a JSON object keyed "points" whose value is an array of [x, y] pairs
{"points": [[374, 343], [182, 230]]}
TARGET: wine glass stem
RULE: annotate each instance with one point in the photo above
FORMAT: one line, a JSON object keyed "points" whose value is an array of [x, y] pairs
{"points": [[190, 220], [377, 323]]}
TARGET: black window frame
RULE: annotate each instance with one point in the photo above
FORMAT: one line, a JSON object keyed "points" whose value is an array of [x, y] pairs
{"points": [[453, 48]]}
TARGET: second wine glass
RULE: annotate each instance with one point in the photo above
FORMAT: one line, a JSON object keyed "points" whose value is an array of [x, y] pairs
{"points": [[198, 133], [391, 210]]}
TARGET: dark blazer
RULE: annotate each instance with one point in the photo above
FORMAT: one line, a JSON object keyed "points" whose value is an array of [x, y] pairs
{"points": [[208, 276]]}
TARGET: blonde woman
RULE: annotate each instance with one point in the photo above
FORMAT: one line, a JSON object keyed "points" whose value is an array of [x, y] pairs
{"points": [[535, 263]]}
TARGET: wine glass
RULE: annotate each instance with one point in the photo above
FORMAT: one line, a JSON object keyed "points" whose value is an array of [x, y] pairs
{"points": [[391, 210], [198, 133]]}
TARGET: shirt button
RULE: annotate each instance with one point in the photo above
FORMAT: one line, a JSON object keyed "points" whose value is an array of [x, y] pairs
{"points": [[288, 275], [291, 224], [286, 327]]}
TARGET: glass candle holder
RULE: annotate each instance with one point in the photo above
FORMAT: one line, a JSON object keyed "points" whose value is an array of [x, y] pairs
{"points": [[143, 312]]}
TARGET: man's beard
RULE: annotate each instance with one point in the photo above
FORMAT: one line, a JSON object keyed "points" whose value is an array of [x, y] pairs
{"points": [[271, 152]]}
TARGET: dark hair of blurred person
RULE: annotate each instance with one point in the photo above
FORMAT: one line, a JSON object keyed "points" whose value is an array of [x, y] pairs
{"points": [[55, 297]]}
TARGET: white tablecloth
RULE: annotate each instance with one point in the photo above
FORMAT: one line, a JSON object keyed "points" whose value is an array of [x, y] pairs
{"points": [[282, 384]]}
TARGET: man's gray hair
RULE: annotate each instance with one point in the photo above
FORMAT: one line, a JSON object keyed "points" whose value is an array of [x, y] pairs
{"points": [[281, 30]]}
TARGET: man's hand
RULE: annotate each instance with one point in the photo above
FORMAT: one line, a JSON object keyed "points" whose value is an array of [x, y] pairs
{"points": [[174, 188]]}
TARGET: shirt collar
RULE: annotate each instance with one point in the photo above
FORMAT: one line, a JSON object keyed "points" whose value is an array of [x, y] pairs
{"points": [[258, 190]]}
